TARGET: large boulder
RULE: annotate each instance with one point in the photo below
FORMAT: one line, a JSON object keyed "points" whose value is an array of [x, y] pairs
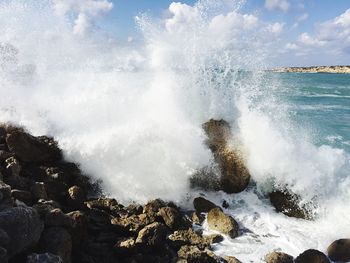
{"points": [[278, 257], [312, 256], [202, 205], [339, 250], [219, 221], [33, 149], [23, 226], [288, 204]]}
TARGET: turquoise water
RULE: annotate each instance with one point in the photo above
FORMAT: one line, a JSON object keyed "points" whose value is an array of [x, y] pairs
{"points": [[320, 102]]}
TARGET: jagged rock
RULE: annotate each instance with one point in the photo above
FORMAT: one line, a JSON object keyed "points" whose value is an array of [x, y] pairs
{"points": [[288, 204], [219, 221], [56, 190], [125, 246], [339, 250], [43, 207], [21, 195], [77, 196], [235, 176], [56, 217], [207, 178], [134, 209], [58, 241], [5, 191], [107, 204], [13, 166], [79, 230], [153, 206], [4, 238], [23, 226], [312, 256], [193, 254], [5, 155], [197, 218], [38, 190], [173, 218], [231, 259], [44, 258], [203, 205], [3, 255], [33, 149], [278, 257], [133, 223], [152, 235]]}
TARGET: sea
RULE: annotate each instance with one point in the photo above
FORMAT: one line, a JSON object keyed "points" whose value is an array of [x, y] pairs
{"points": [[130, 113]]}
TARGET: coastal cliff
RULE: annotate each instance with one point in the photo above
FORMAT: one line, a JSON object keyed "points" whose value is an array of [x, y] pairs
{"points": [[315, 69]]}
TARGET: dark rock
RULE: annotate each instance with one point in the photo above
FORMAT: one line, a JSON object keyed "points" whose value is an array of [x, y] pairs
{"points": [[23, 226], [57, 218], [5, 155], [152, 236], [43, 207], [33, 149], [44, 258], [278, 257], [203, 205], [13, 166], [193, 254], [134, 209], [3, 255], [153, 206], [56, 190], [197, 218], [312, 256], [79, 230], [5, 191], [225, 204], [173, 218], [57, 240], [38, 190], [218, 132], [219, 221], [125, 246], [4, 238], [77, 197], [21, 195], [339, 250], [288, 204]]}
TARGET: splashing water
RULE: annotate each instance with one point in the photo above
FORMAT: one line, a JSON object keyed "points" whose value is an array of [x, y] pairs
{"points": [[132, 115]]}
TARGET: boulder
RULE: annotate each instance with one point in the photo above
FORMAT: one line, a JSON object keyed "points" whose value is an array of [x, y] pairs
{"points": [[56, 217], [152, 236], [77, 197], [312, 256], [202, 205], [288, 204], [339, 250], [23, 226], [219, 221], [33, 149], [197, 218], [218, 133], [278, 257], [58, 241], [193, 254], [44, 258], [39, 191], [173, 218]]}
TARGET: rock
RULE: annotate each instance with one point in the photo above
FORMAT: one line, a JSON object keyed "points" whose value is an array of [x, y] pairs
{"points": [[13, 166], [231, 259], [152, 235], [288, 204], [134, 209], [125, 246], [197, 218], [218, 132], [223, 223], [133, 223], [225, 204], [3, 255], [193, 254], [33, 149], [44, 258], [107, 204], [5, 191], [4, 238], [278, 257], [5, 155], [23, 226], [77, 196], [153, 206], [339, 250], [38, 190], [312, 256], [79, 230], [21, 195], [207, 178], [203, 205], [43, 207], [57, 218], [173, 218], [57, 240]]}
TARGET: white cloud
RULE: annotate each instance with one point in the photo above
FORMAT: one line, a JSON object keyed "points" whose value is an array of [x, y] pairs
{"points": [[275, 28], [84, 10], [277, 4], [300, 19]]}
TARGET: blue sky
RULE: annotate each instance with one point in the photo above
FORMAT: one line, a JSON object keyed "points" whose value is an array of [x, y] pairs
{"points": [[310, 32]]}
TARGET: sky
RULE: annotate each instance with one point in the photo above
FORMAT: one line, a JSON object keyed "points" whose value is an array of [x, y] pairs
{"points": [[309, 32]]}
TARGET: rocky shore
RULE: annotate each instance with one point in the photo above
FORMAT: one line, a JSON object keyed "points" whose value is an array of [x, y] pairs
{"points": [[315, 69], [51, 212]]}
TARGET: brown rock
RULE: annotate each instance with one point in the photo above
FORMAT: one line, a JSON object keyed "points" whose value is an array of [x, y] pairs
{"points": [[152, 236], [218, 132], [219, 221], [173, 218], [231, 259], [193, 254], [133, 223], [312, 256], [125, 246], [77, 196], [153, 206], [278, 257], [203, 205], [339, 250], [80, 226], [197, 218]]}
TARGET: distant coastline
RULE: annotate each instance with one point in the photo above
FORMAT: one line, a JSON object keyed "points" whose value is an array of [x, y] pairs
{"points": [[314, 69]]}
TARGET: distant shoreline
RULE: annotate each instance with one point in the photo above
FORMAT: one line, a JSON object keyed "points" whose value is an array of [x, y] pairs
{"points": [[314, 69]]}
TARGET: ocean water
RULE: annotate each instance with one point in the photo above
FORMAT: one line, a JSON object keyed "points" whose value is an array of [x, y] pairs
{"points": [[131, 113]]}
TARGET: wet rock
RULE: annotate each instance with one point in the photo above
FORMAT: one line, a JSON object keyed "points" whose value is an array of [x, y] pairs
{"points": [[56, 217], [107, 204], [173, 218], [231, 259], [80, 225], [339, 250], [152, 235], [207, 178], [225, 204], [197, 218], [193, 254], [288, 204], [57, 240], [153, 206], [23, 226], [134, 209], [203, 205], [21, 195], [125, 246], [77, 197], [219, 221], [278, 257], [218, 133], [312, 256], [133, 223], [39, 191], [44, 258], [3, 255], [13, 166], [33, 149]]}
